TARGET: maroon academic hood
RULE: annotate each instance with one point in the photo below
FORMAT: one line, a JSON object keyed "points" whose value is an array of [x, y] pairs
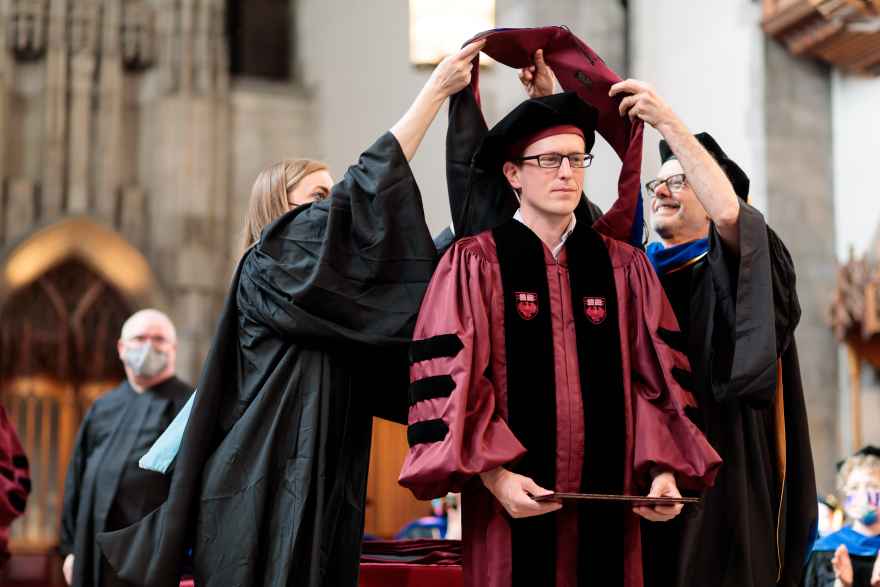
{"points": [[478, 199]]}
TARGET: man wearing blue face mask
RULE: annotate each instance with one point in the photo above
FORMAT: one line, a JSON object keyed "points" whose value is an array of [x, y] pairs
{"points": [[105, 489], [848, 557]]}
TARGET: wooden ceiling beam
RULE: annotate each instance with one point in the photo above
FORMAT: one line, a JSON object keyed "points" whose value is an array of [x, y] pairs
{"points": [[845, 33]]}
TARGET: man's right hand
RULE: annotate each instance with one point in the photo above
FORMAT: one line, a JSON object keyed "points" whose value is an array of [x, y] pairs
{"points": [[514, 493], [67, 569]]}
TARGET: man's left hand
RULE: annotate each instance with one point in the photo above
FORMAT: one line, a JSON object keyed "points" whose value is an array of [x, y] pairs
{"points": [[538, 79], [643, 102], [662, 486]]}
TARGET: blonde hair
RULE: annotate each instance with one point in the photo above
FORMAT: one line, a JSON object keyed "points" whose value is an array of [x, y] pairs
{"points": [[269, 195], [857, 461]]}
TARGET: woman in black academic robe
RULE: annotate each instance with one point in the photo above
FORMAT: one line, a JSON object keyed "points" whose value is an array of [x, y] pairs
{"points": [[270, 481]]}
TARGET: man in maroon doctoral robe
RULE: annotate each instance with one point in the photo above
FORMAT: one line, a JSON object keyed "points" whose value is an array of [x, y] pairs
{"points": [[15, 482], [540, 364]]}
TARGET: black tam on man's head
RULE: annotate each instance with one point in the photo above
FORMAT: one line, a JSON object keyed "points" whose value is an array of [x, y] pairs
{"points": [[735, 174], [530, 117]]}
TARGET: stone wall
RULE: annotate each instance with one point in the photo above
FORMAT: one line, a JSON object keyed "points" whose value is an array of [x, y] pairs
{"points": [[123, 112]]}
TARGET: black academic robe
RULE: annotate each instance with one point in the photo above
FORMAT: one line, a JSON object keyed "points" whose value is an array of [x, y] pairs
{"points": [[820, 572], [104, 488], [738, 315], [270, 482]]}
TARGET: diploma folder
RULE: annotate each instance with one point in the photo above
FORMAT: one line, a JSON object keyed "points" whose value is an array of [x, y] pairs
{"points": [[635, 499]]}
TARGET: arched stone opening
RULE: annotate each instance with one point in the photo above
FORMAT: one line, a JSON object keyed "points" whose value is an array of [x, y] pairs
{"points": [[65, 291]]}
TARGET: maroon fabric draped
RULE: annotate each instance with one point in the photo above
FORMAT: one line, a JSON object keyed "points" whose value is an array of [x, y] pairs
{"points": [[580, 69]]}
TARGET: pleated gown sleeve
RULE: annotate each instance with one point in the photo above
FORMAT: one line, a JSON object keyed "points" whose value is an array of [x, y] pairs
{"points": [[665, 437], [456, 429]]}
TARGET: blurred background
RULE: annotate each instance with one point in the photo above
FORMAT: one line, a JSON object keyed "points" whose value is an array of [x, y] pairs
{"points": [[132, 130]]}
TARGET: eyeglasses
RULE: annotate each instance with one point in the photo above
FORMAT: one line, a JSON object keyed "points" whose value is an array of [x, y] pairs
{"points": [[673, 182], [554, 160]]}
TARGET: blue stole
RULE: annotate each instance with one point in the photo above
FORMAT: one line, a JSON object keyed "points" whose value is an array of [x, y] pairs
{"points": [[670, 259], [165, 449], [857, 544]]}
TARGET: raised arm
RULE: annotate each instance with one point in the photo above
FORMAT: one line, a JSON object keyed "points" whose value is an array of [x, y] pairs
{"points": [[451, 75], [705, 176]]}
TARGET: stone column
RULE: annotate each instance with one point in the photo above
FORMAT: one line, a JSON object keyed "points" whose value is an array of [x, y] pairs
{"points": [[801, 209], [186, 44], [54, 177], [189, 179], [20, 207], [109, 155], [84, 25], [6, 64]]}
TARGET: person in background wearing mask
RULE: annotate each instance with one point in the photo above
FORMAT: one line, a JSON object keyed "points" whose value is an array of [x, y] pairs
{"points": [[105, 489], [848, 557]]}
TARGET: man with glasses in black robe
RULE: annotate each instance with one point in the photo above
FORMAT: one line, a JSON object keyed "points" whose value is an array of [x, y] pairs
{"points": [[731, 282]]}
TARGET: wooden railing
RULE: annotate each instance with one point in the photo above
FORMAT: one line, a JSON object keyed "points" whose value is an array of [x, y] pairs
{"points": [[844, 33], [46, 413], [389, 506]]}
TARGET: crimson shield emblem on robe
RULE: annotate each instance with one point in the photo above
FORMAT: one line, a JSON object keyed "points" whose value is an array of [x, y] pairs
{"points": [[526, 304], [594, 309]]}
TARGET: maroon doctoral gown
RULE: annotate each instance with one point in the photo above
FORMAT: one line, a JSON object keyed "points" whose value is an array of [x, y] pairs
{"points": [[558, 370], [15, 482]]}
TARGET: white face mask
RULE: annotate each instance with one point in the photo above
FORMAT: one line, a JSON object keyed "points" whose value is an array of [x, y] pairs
{"points": [[863, 506], [144, 360]]}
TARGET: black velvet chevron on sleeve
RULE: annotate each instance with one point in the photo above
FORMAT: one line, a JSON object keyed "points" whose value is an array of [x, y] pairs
{"points": [[684, 378], [442, 345], [673, 338], [16, 500], [426, 432], [430, 388]]}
